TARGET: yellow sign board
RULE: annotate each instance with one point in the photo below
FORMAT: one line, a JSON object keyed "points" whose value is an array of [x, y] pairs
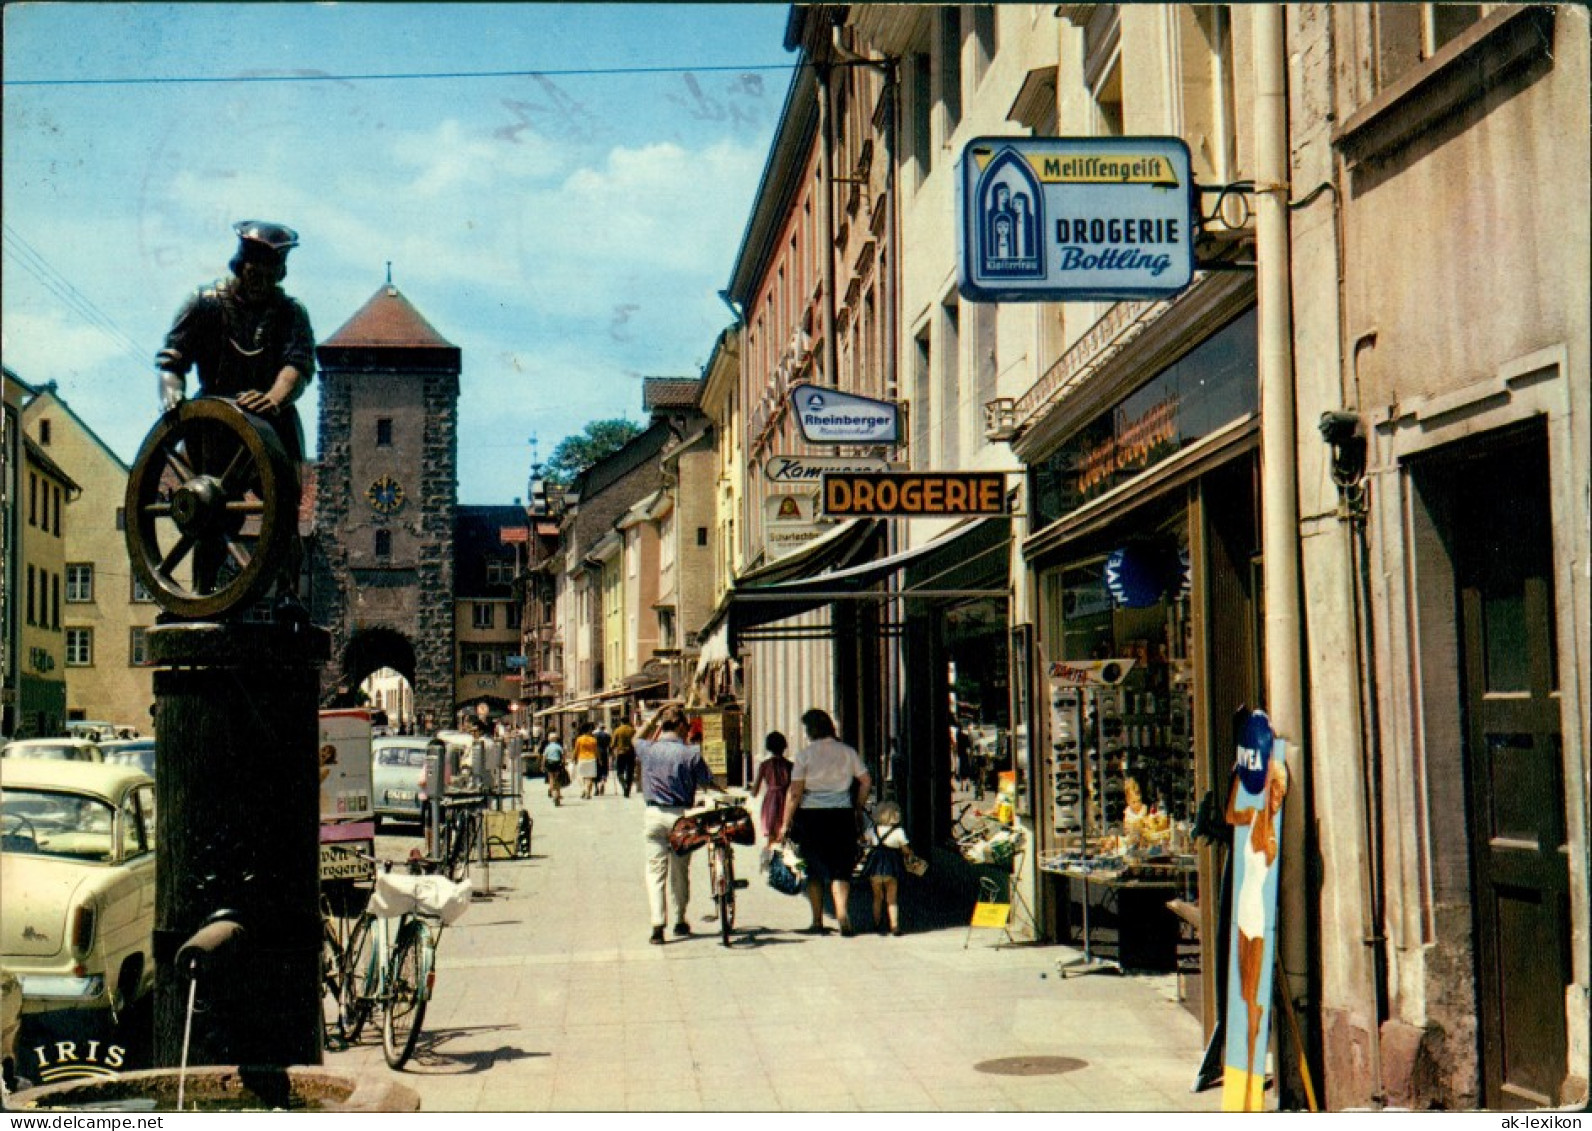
{"points": [[995, 916], [715, 751]]}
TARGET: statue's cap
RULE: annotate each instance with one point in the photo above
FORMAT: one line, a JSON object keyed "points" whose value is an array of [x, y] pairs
{"points": [[276, 237]]}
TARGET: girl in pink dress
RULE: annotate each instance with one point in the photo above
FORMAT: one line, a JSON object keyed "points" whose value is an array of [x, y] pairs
{"points": [[773, 777]]}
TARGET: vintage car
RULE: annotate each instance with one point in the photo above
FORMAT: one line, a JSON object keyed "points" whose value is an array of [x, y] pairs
{"points": [[397, 768], [53, 750], [137, 752], [77, 866], [92, 729]]}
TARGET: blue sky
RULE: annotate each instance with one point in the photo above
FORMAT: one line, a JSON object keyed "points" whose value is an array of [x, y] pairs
{"points": [[567, 231]]}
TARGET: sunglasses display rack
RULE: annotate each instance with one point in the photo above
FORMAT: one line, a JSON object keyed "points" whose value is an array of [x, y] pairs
{"points": [[1087, 763]]}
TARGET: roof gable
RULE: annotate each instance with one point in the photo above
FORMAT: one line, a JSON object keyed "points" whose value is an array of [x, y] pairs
{"points": [[388, 320], [47, 397]]}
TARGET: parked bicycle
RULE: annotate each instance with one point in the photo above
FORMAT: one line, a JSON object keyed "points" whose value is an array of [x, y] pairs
{"points": [[389, 962], [722, 825], [462, 835]]}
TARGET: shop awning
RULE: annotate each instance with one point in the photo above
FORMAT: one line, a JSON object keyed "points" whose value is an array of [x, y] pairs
{"points": [[609, 696], [968, 561]]}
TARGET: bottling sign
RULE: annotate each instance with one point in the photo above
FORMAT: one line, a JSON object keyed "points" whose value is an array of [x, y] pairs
{"points": [[911, 494], [1074, 219]]}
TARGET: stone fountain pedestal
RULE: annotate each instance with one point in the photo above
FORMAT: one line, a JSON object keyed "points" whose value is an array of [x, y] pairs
{"points": [[224, 1088]]}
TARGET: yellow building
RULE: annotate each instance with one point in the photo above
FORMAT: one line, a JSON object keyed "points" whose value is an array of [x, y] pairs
{"points": [[104, 612], [43, 654]]}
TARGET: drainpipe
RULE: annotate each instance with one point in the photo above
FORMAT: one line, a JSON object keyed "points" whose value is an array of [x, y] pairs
{"points": [[1279, 479], [826, 219], [892, 277]]}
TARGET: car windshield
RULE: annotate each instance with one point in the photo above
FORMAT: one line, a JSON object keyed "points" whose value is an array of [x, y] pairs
{"points": [[401, 756], [41, 822], [142, 757], [46, 751]]}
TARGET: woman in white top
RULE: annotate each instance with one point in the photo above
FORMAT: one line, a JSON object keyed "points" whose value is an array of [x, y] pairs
{"points": [[821, 815]]}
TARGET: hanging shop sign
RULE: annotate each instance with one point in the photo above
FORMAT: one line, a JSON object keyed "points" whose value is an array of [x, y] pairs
{"points": [[811, 469], [914, 494], [1254, 809], [829, 416], [1074, 219], [790, 522]]}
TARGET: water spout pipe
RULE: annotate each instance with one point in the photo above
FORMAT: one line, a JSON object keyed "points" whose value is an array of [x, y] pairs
{"points": [[212, 944]]}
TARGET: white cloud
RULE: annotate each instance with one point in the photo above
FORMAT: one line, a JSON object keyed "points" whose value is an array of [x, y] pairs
{"points": [[450, 159]]}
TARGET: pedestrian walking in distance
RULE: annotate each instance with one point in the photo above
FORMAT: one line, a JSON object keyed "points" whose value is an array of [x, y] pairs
{"points": [[585, 758], [625, 755], [605, 743], [773, 778], [671, 773], [821, 815], [553, 767]]}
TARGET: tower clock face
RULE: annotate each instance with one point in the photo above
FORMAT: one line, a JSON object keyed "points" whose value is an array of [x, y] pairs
{"points": [[385, 494]]}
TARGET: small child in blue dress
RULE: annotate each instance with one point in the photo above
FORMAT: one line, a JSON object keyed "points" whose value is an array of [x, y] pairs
{"points": [[888, 852]]}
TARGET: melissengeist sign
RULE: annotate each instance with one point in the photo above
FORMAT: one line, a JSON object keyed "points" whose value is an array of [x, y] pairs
{"points": [[1074, 219], [907, 494]]}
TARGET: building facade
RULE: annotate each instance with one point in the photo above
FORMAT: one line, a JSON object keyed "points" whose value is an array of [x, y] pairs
{"points": [[43, 652], [386, 486], [488, 551], [13, 482], [1440, 276], [105, 611]]}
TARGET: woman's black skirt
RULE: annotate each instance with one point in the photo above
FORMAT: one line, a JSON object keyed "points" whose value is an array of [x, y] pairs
{"points": [[827, 839]]}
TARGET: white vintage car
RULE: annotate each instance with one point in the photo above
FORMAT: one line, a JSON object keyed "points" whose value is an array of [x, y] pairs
{"points": [[77, 883]]}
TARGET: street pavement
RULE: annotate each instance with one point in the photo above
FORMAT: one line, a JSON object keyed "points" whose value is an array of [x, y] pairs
{"points": [[549, 998]]}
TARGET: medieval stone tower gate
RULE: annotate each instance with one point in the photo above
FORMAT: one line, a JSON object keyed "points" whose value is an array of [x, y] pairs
{"points": [[385, 491]]}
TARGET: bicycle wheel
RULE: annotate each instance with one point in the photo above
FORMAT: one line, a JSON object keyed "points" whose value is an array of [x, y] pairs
{"points": [[331, 961], [354, 999], [406, 1008], [461, 838], [724, 890]]}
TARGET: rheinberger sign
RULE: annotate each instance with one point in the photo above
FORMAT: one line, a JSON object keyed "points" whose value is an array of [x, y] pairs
{"points": [[1074, 219], [829, 416], [909, 494]]}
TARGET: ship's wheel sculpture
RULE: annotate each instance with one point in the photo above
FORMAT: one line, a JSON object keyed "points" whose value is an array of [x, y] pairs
{"points": [[211, 509]]}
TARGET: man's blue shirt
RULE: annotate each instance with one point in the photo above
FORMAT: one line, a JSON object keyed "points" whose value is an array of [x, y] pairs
{"points": [[671, 771]]}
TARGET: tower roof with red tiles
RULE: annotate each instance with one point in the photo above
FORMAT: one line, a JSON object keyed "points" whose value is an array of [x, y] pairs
{"points": [[388, 327], [388, 319]]}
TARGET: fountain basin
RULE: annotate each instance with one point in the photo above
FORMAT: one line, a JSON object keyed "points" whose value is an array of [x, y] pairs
{"points": [[225, 1088]]}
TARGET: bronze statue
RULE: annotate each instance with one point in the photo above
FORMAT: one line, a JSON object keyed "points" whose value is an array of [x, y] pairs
{"points": [[252, 343], [249, 340]]}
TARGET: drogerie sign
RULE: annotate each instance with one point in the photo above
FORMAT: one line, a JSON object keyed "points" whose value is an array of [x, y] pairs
{"points": [[1073, 219], [906, 494]]}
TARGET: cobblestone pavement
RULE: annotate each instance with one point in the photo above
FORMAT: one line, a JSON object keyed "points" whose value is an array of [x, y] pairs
{"points": [[549, 998]]}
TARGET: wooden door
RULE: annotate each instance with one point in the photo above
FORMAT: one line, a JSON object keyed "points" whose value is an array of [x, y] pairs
{"points": [[1504, 572]]}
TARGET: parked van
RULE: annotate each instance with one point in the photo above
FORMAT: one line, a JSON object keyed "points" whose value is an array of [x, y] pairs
{"points": [[348, 820]]}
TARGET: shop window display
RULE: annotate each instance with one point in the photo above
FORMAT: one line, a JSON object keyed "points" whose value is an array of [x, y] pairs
{"points": [[1129, 720]]}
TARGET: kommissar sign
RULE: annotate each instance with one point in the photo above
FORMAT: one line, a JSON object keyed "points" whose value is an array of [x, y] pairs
{"points": [[1075, 219]]}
